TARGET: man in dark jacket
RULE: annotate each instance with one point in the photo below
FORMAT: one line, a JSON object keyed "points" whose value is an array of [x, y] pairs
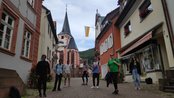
{"points": [[42, 71]]}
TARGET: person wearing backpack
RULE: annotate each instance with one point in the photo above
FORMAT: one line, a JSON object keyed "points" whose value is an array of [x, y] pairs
{"points": [[95, 73], [58, 78]]}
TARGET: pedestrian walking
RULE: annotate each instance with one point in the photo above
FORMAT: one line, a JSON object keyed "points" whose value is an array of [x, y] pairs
{"points": [[67, 73], [58, 77], [135, 70], [42, 72], [85, 74], [114, 69], [95, 73]]}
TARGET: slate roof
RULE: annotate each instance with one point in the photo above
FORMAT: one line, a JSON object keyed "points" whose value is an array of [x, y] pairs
{"points": [[72, 44], [66, 30]]}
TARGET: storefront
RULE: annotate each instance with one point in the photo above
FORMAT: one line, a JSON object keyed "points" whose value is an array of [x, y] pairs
{"points": [[147, 49], [149, 58]]}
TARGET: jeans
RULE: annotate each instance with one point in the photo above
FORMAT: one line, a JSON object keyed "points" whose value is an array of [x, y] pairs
{"points": [[59, 79], [136, 78], [95, 75], [85, 74]]}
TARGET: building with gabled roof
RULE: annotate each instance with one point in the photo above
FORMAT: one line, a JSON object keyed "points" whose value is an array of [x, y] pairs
{"points": [[67, 48], [108, 38], [144, 35], [48, 37], [19, 41]]}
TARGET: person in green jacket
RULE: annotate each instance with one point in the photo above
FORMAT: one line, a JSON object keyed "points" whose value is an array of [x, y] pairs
{"points": [[114, 69]]}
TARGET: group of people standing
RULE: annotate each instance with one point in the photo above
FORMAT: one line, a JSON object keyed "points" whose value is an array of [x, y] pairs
{"points": [[62, 70], [95, 73], [43, 70], [114, 65], [114, 69]]}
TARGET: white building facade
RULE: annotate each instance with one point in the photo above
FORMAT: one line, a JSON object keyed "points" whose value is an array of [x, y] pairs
{"points": [[19, 35], [48, 37], [144, 34]]}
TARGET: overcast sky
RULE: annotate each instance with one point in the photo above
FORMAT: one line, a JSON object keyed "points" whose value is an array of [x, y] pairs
{"points": [[80, 13]]}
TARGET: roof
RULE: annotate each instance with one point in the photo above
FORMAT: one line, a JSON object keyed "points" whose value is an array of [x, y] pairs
{"points": [[66, 31], [125, 11], [72, 44], [66, 28], [52, 24], [109, 17]]}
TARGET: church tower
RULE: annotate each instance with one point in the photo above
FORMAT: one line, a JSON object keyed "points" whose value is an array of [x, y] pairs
{"points": [[67, 48]]}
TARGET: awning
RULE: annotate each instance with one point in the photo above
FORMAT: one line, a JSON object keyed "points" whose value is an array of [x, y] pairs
{"points": [[145, 38]]}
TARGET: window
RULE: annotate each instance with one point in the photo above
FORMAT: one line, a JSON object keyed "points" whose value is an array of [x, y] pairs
{"points": [[49, 30], [145, 9], [54, 43], [105, 23], [31, 2], [62, 37], [151, 60], [148, 57], [6, 30], [101, 49], [26, 44], [110, 40], [124, 3], [127, 29], [48, 53], [107, 44]]}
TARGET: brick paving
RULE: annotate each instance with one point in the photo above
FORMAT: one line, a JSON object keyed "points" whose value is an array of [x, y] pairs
{"points": [[126, 90]]}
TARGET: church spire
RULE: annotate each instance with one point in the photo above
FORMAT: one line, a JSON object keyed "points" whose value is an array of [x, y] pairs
{"points": [[66, 7], [66, 28]]}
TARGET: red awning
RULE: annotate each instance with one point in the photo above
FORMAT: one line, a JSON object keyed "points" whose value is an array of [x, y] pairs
{"points": [[139, 42]]}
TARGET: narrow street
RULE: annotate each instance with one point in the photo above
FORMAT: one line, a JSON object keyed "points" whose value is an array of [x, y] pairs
{"points": [[126, 91], [43, 40]]}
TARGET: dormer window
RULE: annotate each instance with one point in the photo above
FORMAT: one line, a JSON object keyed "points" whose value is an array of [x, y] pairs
{"points": [[145, 9], [105, 23], [125, 2], [127, 29], [122, 4], [31, 2]]}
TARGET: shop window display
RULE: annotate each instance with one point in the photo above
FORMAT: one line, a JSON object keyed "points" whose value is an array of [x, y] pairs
{"points": [[148, 57]]}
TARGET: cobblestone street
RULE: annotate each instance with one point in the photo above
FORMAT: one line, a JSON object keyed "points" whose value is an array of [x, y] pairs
{"points": [[126, 91]]}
